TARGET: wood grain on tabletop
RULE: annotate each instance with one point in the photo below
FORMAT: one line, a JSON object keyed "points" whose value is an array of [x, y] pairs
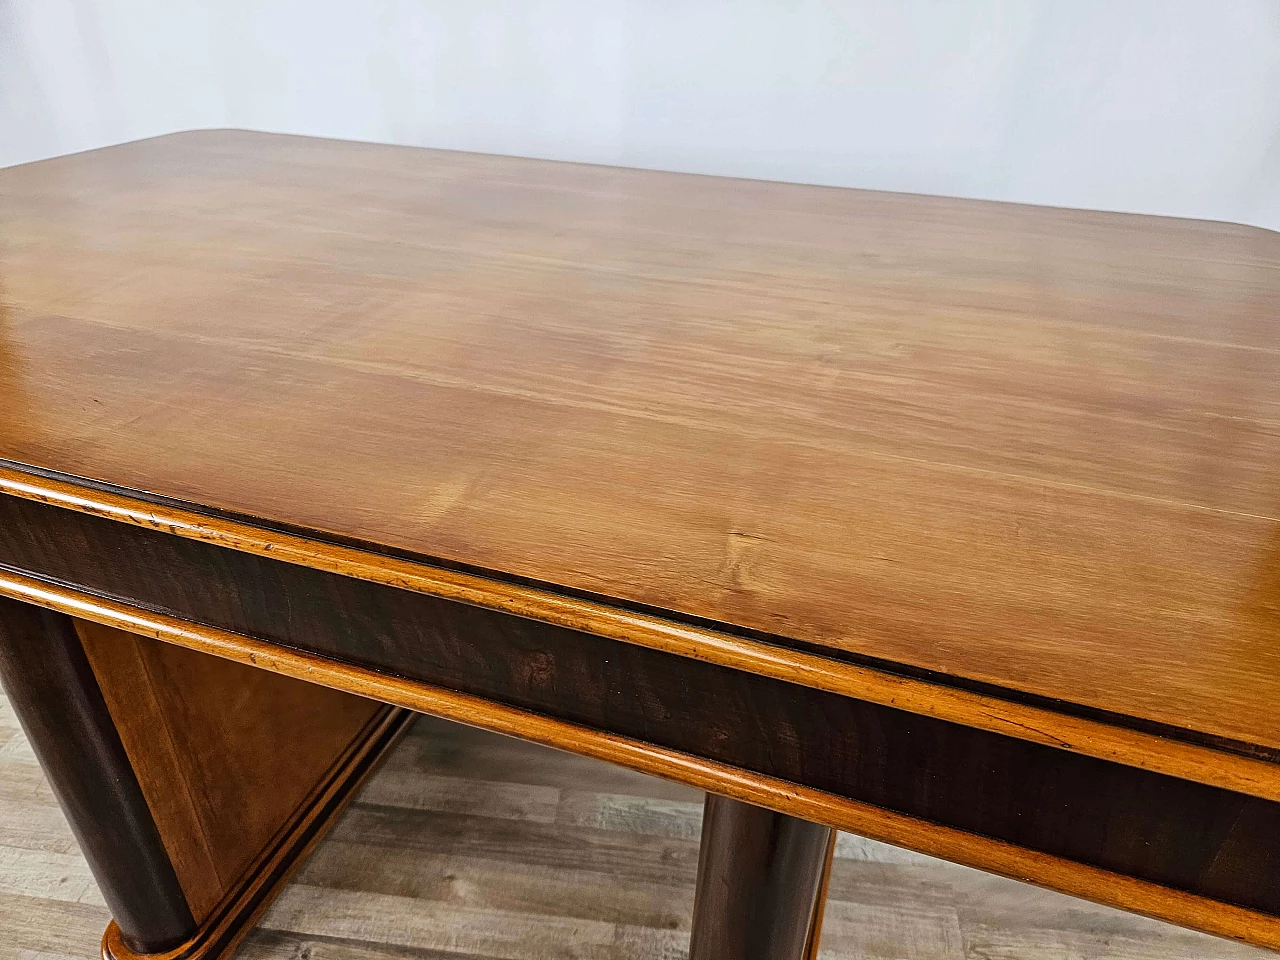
{"points": [[567, 850], [1033, 447]]}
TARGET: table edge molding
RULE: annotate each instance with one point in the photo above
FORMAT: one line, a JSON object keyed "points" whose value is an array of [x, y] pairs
{"points": [[1166, 752]]}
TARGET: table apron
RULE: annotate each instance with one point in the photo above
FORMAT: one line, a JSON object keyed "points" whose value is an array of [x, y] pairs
{"points": [[1187, 837]]}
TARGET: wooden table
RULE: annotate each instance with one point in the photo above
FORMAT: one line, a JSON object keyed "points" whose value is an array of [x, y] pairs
{"points": [[954, 524]]}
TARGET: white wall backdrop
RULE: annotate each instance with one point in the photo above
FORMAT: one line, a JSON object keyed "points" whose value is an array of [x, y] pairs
{"points": [[1157, 106]]}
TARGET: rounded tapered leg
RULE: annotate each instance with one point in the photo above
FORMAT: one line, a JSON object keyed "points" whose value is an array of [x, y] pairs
{"points": [[760, 880], [56, 696]]}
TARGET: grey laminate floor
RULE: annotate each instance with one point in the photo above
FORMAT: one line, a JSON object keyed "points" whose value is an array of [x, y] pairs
{"points": [[467, 844]]}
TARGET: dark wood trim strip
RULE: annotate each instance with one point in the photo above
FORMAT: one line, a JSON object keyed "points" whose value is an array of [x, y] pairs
{"points": [[249, 898], [1092, 883], [57, 699], [1158, 753]]}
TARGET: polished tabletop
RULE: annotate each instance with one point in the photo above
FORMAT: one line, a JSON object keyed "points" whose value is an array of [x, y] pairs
{"points": [[1026, 447]]}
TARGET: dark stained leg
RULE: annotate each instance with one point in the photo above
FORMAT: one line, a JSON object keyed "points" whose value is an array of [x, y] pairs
{"points": [[58, 702], [760, 883]]}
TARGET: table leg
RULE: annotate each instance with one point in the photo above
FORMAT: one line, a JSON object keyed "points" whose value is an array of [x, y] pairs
{"points": [[60, 706], [820, 904], [761, 884], [194, 785]]}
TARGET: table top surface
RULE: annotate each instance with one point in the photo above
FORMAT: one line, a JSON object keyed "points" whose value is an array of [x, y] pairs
{"points": [[1029, 447]]}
